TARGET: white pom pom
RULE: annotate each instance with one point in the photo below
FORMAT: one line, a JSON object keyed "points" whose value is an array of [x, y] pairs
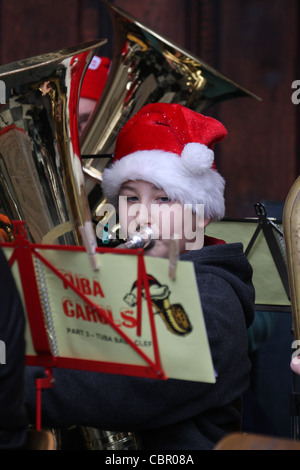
{"points": [[197, 158]]}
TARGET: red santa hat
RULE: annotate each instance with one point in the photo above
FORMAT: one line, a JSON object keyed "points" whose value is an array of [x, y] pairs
{"points": [[171, 147], [95, 78]]}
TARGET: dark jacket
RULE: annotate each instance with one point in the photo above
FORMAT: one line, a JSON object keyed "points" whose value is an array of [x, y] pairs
{"points": [[13, 419], [172, 414]]}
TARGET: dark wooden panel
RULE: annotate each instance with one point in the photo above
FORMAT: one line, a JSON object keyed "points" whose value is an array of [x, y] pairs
{"points": [[258, 49], [164, 17], [31, 28], [89, 20], [94, 23], [202, 29]]}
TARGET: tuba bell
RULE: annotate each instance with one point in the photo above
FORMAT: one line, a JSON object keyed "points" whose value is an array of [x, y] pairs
{"points": [[41, 178], [145, 68]]}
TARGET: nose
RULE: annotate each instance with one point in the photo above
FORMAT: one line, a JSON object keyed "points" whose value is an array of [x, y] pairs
{"points": [[144, 219], [143, 215]]}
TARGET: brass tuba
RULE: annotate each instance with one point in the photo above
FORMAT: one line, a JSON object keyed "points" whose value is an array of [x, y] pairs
{"points": [[291, 232], [146, 68], [41, 178]]}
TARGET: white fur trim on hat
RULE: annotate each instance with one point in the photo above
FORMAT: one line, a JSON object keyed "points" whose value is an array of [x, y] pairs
{"points": [[173, 174]]}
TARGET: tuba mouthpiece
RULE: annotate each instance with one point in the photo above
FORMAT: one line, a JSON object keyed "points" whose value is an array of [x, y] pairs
{"points": [[140, 239]]}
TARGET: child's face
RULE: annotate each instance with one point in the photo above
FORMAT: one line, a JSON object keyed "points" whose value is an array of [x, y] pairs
{"points": [[143, 204]]}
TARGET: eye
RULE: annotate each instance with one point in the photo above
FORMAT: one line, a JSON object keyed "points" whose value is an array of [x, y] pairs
{"points": [[163, 199], [132, 198]]}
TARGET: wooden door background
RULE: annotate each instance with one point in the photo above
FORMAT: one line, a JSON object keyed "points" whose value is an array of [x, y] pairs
{"points": [[253, 42]]}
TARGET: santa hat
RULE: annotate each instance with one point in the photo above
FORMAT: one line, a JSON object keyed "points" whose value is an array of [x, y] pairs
{"points": [[170, 146], [95, 78]]}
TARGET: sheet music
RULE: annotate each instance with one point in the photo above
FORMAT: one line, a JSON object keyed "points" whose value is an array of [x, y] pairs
{"points": [[79, 332]]}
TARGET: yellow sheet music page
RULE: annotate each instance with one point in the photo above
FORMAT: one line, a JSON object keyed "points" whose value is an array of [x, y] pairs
{"points": [[79, 331]]}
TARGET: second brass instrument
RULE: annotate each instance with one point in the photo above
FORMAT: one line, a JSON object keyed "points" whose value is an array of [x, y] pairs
{"points": [[145, 68]]}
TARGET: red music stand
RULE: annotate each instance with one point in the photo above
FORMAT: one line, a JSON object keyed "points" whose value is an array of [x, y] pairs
{"points": [[23, 253]]}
